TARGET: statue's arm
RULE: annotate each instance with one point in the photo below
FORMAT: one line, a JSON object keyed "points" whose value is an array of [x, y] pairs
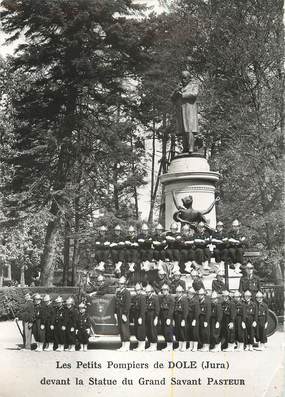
{"points": [[211, 206], [191, 91]]}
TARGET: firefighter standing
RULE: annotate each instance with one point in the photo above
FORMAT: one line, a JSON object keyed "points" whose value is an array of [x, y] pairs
{"points": [[71, 318], [58, 324], [250, 320], [228, 322], [215, 322], [180, 318], [204, 321], [122, 312], [239, 322], [152, 313], [83, 327], [38, 328], [139, 309], [166, 303], [193, 319], [262, 321]]}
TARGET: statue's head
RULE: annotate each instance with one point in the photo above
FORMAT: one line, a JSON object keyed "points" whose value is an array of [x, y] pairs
{"points": [[187, 201], [185, 77]]}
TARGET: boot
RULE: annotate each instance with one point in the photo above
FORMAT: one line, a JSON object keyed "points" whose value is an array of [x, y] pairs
{"points": [[152, 347], [195, 346], [60, 348], [206, 265], [216, 348], [250, 348], [39, 347], [239, 347], [48, 348], [168, 347], [81, 347], [85, 348], [191, 345], [140, 347], [230, 348], [127, 346], [72, 348], [178, 347], [261, 347], [205, 348], [183, 347], [237, 268]]}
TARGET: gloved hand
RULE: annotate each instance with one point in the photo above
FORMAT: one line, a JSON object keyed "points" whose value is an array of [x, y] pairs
{"points": [[243, 325], [254, 324], [30, 325], [231, 325], [88, 331], [124, 318], [265, 325], [63, 327], [71, 329], [168, 321], [217, 325], [155, 321], [42, 326], [193, 323], [182, 323], [51, 327], [205, 324], [139, 321]]}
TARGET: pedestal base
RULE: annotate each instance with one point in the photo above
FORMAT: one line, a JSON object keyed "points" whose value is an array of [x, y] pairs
{"points": [[190, 175]]}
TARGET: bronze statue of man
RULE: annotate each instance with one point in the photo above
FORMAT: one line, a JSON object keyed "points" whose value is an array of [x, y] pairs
{"points": [[185, 100]]}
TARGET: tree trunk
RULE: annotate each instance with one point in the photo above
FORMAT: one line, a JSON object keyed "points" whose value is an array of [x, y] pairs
{"points": [[75, 255], [150, 216], [48, 257], [66, 255]]}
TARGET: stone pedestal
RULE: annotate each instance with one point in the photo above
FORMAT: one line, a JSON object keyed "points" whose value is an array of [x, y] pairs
{"points": [[190, 175]]}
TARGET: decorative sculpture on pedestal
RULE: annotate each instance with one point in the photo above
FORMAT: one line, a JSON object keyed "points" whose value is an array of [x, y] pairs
{"points": [[187, 214]]}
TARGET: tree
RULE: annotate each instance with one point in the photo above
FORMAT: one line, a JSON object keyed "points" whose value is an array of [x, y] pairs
{"points": [[73, 63]]}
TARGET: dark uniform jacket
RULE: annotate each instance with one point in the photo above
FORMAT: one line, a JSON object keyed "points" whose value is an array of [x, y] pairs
{"points": [[139, 305], [158, 283], [144, 241], [204, 237], [251, 310], [217, 311], [173, 240], [83, 322], [123, 302], [38, 313], [58, 318], [219, 239], [47, 313], [100, 242], [193, 308], [166, 303], [262, 310], [229, 310], [240, 310], [159, 241], [117, 242], [27, 312], [236, 235], [181, 306], [70, 317], [152, 304], [186, 241], [205, 310], [251, 284]]}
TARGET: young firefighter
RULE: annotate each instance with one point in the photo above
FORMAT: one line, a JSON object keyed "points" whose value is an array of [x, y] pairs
{"points": [[47, 314], [220, 240], [262, 321], [173, 244], [180, 318], [139, 308], [122, 313], [117, 247], [58, 325], [151, 319], [197, 283], [83, 327], [215, 322], [204, 321], [228, 322], [236, 246], [159, 243], [102, 246], [166, 302], [26, 314], [193, 319], [38, 328], [250, 320], [70, 320], [239, 322]]}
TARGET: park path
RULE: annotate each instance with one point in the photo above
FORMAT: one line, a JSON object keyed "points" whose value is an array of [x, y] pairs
{"points": [[22, 371]]}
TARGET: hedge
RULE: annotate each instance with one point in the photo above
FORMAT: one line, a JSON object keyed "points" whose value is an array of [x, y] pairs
{"points": [[14, 297]]}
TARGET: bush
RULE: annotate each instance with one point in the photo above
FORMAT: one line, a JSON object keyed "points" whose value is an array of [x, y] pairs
{"points": [[11, 298]]}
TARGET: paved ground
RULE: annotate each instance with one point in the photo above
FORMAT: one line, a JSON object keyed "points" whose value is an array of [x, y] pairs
{"points": [[22, 371]]}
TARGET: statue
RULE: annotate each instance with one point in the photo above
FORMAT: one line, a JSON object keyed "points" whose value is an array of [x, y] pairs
{"points": [[187, 214], [185, 100]]}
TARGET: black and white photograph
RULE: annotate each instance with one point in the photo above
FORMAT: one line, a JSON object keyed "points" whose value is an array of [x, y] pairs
{"points": [[142, 198]]}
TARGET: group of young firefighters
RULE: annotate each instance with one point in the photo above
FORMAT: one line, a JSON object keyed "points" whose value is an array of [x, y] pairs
{"points": [[139, 253], [193, 318]]}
